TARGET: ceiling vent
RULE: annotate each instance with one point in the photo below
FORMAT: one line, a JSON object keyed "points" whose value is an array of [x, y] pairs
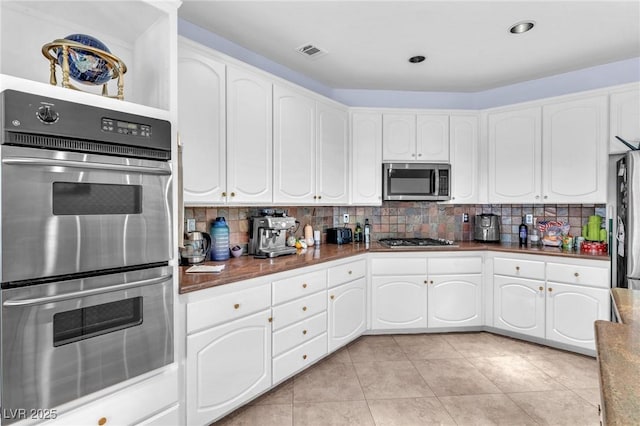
{"points": [[311, 51]]}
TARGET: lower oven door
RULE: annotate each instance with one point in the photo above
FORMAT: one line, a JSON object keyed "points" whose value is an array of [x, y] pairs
{"points": [[65, 340], [68, 212]]}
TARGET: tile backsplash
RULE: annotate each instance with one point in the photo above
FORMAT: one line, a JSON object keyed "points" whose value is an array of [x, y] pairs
{"points": [[404, 218]]}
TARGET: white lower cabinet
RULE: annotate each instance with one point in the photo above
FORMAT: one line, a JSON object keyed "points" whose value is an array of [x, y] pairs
{"points": [[399, 302], [454, 301], [227, 365], [347, 308], [519, 305]]}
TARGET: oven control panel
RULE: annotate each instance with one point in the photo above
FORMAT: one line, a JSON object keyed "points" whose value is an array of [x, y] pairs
{"points": [[125, 127]]}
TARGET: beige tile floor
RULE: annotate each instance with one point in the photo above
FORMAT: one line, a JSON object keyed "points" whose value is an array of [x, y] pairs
{"points": [[431, 379]]}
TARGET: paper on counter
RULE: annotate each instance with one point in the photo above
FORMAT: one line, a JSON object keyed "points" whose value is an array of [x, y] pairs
{"points": [[205, 268]]}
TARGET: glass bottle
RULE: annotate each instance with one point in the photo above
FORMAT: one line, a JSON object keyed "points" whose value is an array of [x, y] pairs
{"points": [[523, 231]]}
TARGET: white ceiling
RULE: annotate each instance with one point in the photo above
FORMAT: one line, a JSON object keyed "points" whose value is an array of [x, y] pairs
{"points": [[467, 43]]}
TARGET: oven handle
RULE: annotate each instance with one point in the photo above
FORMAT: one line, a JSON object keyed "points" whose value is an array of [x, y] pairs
{"points": [[85, 293], [26, 161]]}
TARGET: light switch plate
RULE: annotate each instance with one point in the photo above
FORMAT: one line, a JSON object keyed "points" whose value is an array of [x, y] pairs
{"points": [[191, 225], [528, 219], [345, 218]]}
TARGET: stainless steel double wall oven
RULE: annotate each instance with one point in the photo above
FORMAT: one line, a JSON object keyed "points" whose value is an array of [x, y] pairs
{"points": [[87, 295]]}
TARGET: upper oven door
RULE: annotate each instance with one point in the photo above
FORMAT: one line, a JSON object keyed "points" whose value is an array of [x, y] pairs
{"points": [[67, 212]]}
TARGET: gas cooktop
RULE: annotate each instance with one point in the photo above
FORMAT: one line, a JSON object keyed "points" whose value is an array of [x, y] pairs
{"points": [[419, 243]]}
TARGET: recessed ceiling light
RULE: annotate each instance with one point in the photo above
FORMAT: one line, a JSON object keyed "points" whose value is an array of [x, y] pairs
{"points": [[521, 27], [417, 59]]}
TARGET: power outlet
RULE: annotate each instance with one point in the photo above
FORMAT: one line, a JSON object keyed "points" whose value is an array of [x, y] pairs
{"points": [[465, 217], [191, 225], [345, 218], [528, 219]]}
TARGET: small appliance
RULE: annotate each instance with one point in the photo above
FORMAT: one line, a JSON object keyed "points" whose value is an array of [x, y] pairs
{"points": [[268, 236], [339, 235], [487, 227], [416, 182], [196, 248]]}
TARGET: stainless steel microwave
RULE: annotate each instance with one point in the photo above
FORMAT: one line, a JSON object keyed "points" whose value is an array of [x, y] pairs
{"points": [[416, 181]]}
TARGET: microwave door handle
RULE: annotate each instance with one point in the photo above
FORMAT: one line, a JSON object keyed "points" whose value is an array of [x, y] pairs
{"points": [[436, 183], [85, 293], [26, 161]]}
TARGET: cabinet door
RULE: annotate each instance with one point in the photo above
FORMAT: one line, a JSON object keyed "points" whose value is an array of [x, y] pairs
{"points": [[575, 152], [347, 313], [571, 311], [333, 154], [398, 137], [514, 156], [454, 300], [226, 366], [519, 305], [464, 158], [624, 119], [432, 138], [366, 164], [294, 147], [249, 137], [399, 302], [201, 123]]}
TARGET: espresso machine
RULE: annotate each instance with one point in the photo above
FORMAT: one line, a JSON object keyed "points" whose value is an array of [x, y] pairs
{"points": [[268, 235]]}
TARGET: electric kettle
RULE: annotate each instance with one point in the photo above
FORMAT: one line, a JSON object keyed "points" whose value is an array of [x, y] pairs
{"points": [[196, 248]]}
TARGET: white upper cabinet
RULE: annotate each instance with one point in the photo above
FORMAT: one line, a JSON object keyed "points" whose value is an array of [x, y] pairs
{"points": [[432, 137], [366, 162], [514, 155], [294, 119], [249, 137], [574, 139], [624, 119], [555, 153], [463, 149], [141, 33], [407, 137], [201, 121], [332, 166]]}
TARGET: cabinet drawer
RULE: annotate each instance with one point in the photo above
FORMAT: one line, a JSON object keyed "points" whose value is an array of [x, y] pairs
{"points": [[578, 274], [519, 268], [227, 307], [299, 358], [348, 272], [298, 286], [298, 310], [298, 333], [397, 266], [455, 265]]}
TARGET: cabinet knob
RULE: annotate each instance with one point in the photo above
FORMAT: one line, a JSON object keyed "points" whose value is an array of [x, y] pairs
{"points": [[270, 319], [304, 285], [550, 289], [332, 297], [350, 272], [541, 288], [236, 306], [425, 281], [431, 282], [537, 197], [546, 196], [304, 308], [233, 194], [576, 274], [102, 421], [304, 331], [453, 198], [304, 357], [517, 268], [419, 155], [319, 197], [224, 194], [315, 197], [413, 155]]}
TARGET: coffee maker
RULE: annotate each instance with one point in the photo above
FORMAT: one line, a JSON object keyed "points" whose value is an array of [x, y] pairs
{"points": [[268, 235]]}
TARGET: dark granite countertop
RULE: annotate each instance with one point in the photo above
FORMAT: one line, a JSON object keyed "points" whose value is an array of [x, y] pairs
{"points": [[246, 267], [618, 352]]}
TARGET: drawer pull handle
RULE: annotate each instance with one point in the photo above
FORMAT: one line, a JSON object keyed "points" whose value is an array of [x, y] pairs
{"points": [[332, 297], [576, 274], [304, 308], [236, 306], [102, 421], [304, 331], [541, 288], [304, 285], [517, 268]]}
